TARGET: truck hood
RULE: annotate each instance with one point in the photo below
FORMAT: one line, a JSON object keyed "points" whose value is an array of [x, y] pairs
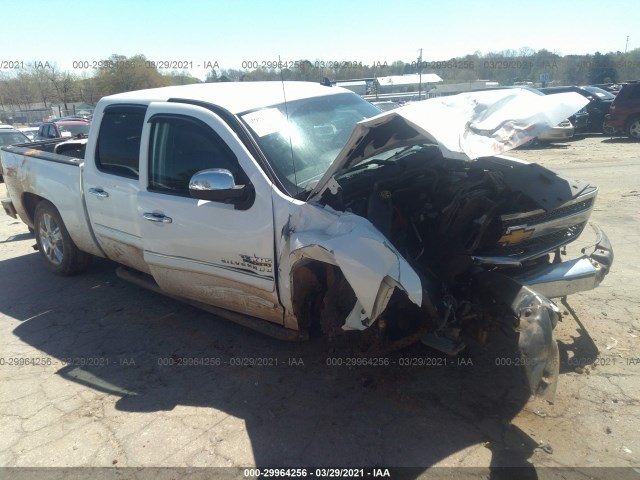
{"points": [[465, 127]]}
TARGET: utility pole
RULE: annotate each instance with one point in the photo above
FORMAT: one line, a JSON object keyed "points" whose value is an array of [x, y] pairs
{"points": [[626, 45], [420, 75]]}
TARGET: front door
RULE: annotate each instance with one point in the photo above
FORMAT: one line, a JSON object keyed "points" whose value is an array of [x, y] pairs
{"points": [[207, 251]]}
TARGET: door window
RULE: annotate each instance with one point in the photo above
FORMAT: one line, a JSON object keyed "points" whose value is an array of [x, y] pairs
{"points": [[118, 148], [181, 147]]}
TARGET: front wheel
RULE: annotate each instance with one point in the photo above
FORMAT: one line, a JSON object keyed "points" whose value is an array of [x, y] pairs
{"points": [[60, 254], [633, 129]]}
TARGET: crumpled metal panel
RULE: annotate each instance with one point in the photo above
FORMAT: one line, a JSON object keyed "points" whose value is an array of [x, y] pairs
{"points": [[371, 265], [465, 126]]}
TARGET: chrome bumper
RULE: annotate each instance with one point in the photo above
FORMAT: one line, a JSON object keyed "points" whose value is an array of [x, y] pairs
{"points": [[565, 278], [528, 295]]}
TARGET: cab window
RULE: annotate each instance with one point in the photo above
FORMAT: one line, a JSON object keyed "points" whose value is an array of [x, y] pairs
{"points": [[118, 148], [180, 147]]}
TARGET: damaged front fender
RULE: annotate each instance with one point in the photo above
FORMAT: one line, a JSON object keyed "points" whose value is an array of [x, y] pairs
{"points": [[370, 264]]}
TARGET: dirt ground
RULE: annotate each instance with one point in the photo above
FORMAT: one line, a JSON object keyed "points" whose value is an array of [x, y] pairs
{"points": [[95, 387]]}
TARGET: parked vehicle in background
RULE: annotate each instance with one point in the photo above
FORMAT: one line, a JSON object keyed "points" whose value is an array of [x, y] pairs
{"points": [[612, 88], [580, 121], [31, 132], [624, 115], [563, 131], [10, 136], [386, 105], [63, 129], [599, 102], [85, 118]]}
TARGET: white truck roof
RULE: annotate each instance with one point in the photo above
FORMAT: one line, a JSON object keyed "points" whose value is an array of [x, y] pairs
{"points": [[236, 97]]}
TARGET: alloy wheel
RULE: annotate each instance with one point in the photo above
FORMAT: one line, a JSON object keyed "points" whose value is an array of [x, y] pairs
{"points": [[51, 239]]}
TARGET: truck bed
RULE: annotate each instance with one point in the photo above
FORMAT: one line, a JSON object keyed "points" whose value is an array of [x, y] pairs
{"points": [[34, 172], [56, 150]]}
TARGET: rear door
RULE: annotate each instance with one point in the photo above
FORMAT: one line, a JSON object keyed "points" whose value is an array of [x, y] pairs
{"points": [[111, 184], [212, 252]]}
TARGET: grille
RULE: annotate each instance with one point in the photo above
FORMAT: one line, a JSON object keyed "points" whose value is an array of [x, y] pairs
{"points": [[541, 244], [552, 215]]}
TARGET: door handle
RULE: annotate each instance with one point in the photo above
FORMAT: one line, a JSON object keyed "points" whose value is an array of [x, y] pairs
{"points": [[157, 217], [98, 192]]}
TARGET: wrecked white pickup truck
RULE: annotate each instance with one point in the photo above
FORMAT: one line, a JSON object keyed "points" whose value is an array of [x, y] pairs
{"points": [[294, 207]]}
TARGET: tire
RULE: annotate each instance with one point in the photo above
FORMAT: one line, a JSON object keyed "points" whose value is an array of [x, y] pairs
{"points": [[633, 128], [60, 254]]}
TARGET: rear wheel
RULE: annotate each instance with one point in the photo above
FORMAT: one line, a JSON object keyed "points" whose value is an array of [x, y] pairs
{"points": [[60, 254], [633, 128]]}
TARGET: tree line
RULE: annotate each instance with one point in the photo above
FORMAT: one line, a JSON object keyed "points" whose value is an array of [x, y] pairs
{"points": [[46, 84], [507, 67]]}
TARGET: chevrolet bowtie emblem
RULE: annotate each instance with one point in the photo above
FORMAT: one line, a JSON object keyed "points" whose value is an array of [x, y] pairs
{"points": [[515, 235]]}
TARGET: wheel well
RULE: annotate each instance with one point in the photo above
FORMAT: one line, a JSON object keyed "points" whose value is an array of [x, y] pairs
{"points": [[631, 118], [321, 296], [29, 202]]}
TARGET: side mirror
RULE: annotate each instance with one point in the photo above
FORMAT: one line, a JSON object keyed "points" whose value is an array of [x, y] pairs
{"points": [[218, 185]]}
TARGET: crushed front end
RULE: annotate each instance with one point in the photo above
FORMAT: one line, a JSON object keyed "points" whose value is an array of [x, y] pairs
{"points": [[458, 242], [484, 241]]}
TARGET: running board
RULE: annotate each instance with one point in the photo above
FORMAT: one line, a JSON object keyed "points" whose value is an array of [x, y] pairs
{"points": [[263, 326]]}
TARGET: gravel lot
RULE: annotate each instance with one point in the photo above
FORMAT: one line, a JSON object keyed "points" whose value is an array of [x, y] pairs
{"points": [[96, 391]]}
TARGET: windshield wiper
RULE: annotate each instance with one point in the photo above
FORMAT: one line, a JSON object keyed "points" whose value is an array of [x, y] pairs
{"points": [[379, 161], [366, 164]]}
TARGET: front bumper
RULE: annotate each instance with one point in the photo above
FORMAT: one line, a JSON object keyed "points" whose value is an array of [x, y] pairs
{"points": [[565, 278], [557, 133], [536, 317], [528, 294]]}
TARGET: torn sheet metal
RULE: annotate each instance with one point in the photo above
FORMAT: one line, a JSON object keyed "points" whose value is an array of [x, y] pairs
{"points": [[465, 126], [489, 123], [368, 261]]}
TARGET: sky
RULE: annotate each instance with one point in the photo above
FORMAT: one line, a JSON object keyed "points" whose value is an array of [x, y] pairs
{"points": [[201, 33]]}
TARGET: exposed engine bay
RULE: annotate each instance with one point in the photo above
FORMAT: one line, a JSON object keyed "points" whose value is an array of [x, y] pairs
{"points": [[474, 232], [420, 230], [443, 214], [431, 209]]}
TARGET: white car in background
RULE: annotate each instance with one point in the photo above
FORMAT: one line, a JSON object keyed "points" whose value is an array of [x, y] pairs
{"points": [[10, 136], [563, 131], [30, 132]]}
